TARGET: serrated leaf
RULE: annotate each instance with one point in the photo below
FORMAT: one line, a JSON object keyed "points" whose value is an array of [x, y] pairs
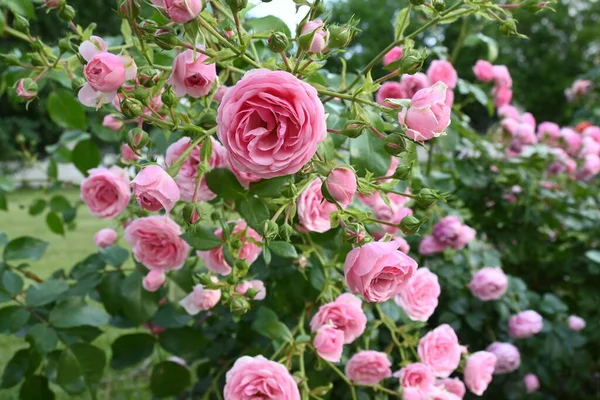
{"points": [[283, 249]]}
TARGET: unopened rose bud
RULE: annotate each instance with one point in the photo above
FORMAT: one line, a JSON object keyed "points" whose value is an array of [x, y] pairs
{"points": [[410, 225], [427, 197], [270, 229], [131, 108], [340, 36], [169, 98], [237, 5], [165, 39], [64, 45], [241, 267], [141, 95], [289, 190], [439, 5], [190, 213], [112, 122], [147, 76], [278, 42], [509, 27], [354, 233], [36, 60], [240, 305], [403, 172], [341, 184], [395, 144], [67, 13], [286, 231], [411, 61], [53, 3], [313, 37], [137, 139], [27, 89], [353, 130], [21, 24], [154, 280], [204, 279], [320, 8]]}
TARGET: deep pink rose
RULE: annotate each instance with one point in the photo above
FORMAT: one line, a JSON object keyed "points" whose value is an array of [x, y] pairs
{"points": [[341, 184], [478, 371], [368, 367], [572, 141], [313, 209], [127, 155], [502, 77], [156, 242], [483, 70], [180, 11], [154, 280], [378, 271], [411, 84], [489, 284], [329, 343], [403, 245], [427, 116], [390, 90], [532, 383], [256, 284], [106, 191], [191, 75], [430, 245], [271, 122], [452, 385], [419, 298], [508, 358], [24, 92], [525, 324], [442, 70], [112, 122], [393, 55], [508, 111], [345, 313], [154, 189], [416, 375], [549, 132], [576, 323], [440, 350], [105, 237], [259, 378], [105, 72], [321, 36], [593, 132], [200, 299], [214, 260], [52, 3], [502, 96]]}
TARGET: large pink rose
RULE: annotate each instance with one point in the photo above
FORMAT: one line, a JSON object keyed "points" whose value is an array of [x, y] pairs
{"points": [[411, 84], [200, 299], [271, 122], [191, 75], [186, 178], [578, 88], [419, 298], [329, 343], [313, 209], [593, 132], [549, 132], [489, 284], [452, 385], [576, 323], [525, 324], [416, 375], [214, 260], [483, 70], [368, 367], [345, 313], [105, 237], [106, 191], [507, 355], [154, 189], [591, 167], [440, 350], [427, 116], [442, 70], [478, 371], [156, 242], [259, 378], [572, 140], [378, 271], [393, 55]]}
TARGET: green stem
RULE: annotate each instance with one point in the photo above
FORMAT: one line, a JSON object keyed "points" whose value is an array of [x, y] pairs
{"points": [[383, 189], [430, 158], [17, 34], [348, 97], [344, 378], [460, 41]]}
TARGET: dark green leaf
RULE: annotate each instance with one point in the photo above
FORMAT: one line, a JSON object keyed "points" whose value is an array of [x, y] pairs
{"points": [[37, 207], [203, 239], [168, 317], [74, 312], [36, 388], [15, 370], [25, 247], [270, 187], [55, 223], [254, 211], [137, 304], [42, 338], [224, 184], [65, 110], [114, 255], [79, 366], [169, 379], [267, 324], [283, 249], [110, 291], [21, 7], [79, 334], [12, 282], [131, 349], [12, 318], [40, 294], [185, 342], [60, 204], [368, 154], [3, 201], [86, 156]]}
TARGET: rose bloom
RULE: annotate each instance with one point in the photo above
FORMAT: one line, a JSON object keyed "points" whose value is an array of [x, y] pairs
{"points": [[390, 90], [578, 88], [419, 298], [591, 167], [489, 284], [321, 36], [393, 55], [509, 111], [427, 116], [502, 77], [24, 93], [430, 245], [52, 3], [453, 233], [525, 324], [180, 11], [186, 178], [345, 313], [106, 191], [111, 122], [507, 356], [191, 75], [259, 378], [411, 84], [341, 184], [532, 383], [589, 147], [378, 271], [271, 123], [576, 323], [368, 367], [416, 375], [200, 299], [154, 280], [510, 126], [393, 213], [214, 260], [313, 209], [440, 350], [402, 244], [525, 134], [478, 371], [452, 385], [156, 242], [483, 70], [593, 132], [256, 284], [329, 343], [502, 96], [549, 132], [105, 237], [442, 70], [154, 189], [127, 154], [572, 141]]}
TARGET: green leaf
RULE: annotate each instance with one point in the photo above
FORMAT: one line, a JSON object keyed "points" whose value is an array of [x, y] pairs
{"points": [[402, 22], [36, 388], [269, 24], [126, 32], [169, 379], [552, 305], [40, 294], [254, 211], [60, 204], [37, 207], [85, 156], [137, 304], [185, 342], [80, 334], [267, 324], [55, 223], [74, 312], [42, 338], [168, 317], [131, 349], [21, 7], [12, 282], [25, 247], [15, 369], [3, 201], [203, 239], [368, 154], [110, 291], [283, 249], [79, 366], [65, 110], [270, 187], [224, 184], [12, 318], [114, 255]]}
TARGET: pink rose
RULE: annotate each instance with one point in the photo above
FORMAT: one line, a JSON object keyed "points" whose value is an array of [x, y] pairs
{"points": [[220, 92], [368, 367], [419, 298], [508, 358], [442, 70], [502, 77], [313, 209], [576, 323], [549, 131], [393, 55], [390, 90], [200, 299], [593, 132], [508, 111], [525, 324], [321, 36], [402, 244], [528, 118], [154, 189], [329, 343], [191, 75], [589, 147], [453, 233], [525, 134], [483, 70], [449, 98], [154, 280], [345, 313], [186, 178], [502, 96], [510, 126], [378, 271], [440, 350], [427, 116], [452, 385], [156, 242], [271, 122], [111, 122], [106, 191], [214, 260], [411, 84], [578, 88], [259, 378], [591, 167], [393, 213], [244, 178], [52, 3], [416, 375], [341, 184], [256, 284], [478, 371], [105, 237], [572, 141], [180, 11], [532, 383], [489, 284], [430, 245], [127, 155], [26, 93]]}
